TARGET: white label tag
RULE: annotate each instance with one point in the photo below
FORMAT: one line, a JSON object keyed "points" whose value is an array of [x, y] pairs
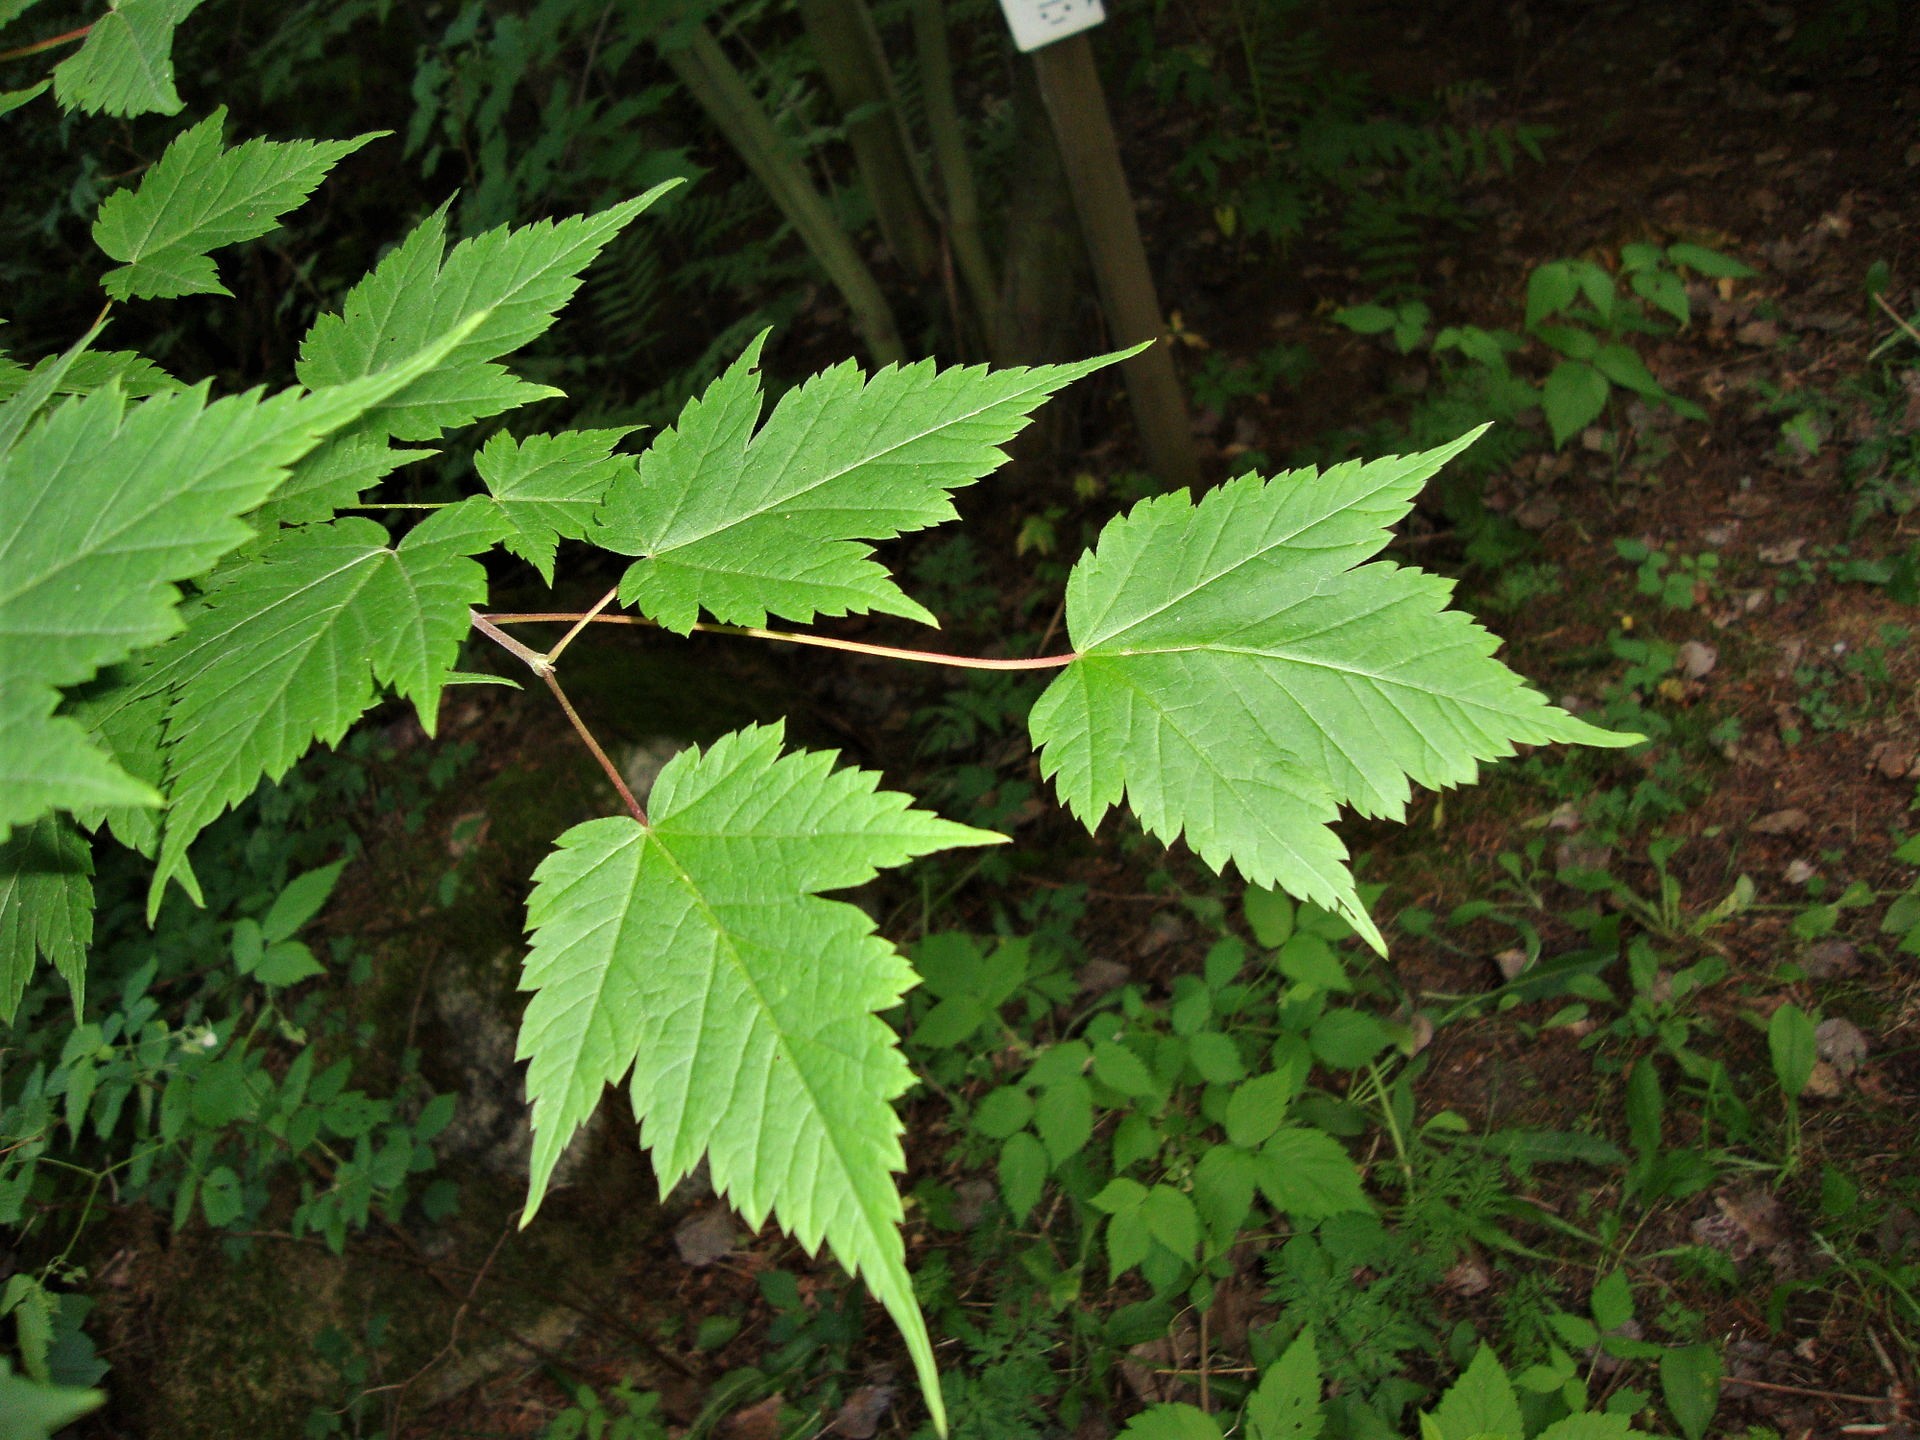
{"points": [[1041, 22]]}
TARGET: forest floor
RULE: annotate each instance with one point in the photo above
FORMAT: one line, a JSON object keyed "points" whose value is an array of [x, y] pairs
{"points": [[1742, 585]]}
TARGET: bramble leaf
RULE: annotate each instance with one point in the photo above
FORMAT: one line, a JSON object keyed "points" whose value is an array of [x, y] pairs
{"points": [[125, 65], [288, 647], [199, 197], [1480, 1403], [1287, 1404], [520, 276], [749, 525], [697, 952], [1174, 1420], [1240, 674]]}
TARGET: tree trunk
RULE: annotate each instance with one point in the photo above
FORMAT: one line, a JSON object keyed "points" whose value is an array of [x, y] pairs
{"points": [[847, 47], [1070, 86], [963, 234], [716, 85]]}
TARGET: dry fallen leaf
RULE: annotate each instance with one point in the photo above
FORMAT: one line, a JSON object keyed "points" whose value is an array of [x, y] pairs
{"points": [[1824, 1083], [1785, 553], [1840, 1042], [1830, 957], [759, 1421], [1697, 659], [706, 1236], [1537, 512], [971, 1201], [1891, 759], [1781, 822], [1098, 976], [1469, 1276], [860, 1417]]}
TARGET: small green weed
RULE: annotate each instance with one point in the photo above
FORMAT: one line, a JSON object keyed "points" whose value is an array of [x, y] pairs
{"points": [[1859, 685], [1546, 1401], [198, 1081], [1220, 379], [626, 1413], [1678, 582]]}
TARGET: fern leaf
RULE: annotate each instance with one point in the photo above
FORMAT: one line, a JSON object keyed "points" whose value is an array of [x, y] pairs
{"points": [[745, 525], [46, 908], [125, 65], [547, 487], [519, 276], [697, 952], [1240, 674], [288, 647], [199, 197], [108, 506]]}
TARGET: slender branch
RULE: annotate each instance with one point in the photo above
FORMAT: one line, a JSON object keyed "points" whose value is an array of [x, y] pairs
{"points": [[401, 505], [535, 661], [542, 665], [553, 655], [586, 738], [22, 51], [824, 642]]}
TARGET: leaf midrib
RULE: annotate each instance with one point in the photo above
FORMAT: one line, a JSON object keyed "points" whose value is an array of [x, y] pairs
{"points": [[788, 497], [1216, 577], [878, 1227]]}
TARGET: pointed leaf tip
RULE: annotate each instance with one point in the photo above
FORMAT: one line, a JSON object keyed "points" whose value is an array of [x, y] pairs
{"points": [[697, 957], [746, 520]]}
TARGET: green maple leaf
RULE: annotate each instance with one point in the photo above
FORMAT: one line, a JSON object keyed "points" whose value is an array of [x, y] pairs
{"points": [[519, 275], [199, 197], [288, 647], [137, 376], [696, 951], [126, 718], [46, 908], [747, 524], [126, 65], [547, 487], [11, 100], [109, 506], [32, 1409], [332, 477], [1240, 674]]}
